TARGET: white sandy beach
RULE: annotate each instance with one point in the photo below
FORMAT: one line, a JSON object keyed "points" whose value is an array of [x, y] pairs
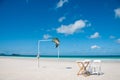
{"points": [[27, 69]]}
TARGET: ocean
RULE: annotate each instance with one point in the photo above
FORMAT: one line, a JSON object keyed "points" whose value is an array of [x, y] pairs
{"points": [[70, 58]]}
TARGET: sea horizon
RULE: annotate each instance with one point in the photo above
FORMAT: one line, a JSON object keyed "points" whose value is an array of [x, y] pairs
{"points": [[68, 57]]}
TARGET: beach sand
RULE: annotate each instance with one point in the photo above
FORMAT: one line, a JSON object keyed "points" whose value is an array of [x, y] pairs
{"points": [[13, 68]]}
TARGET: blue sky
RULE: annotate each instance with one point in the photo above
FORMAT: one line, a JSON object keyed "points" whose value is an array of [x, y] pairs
{"points": [[84, 27]]}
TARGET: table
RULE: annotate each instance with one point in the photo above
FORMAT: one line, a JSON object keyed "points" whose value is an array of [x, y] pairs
{"points": [[82, 65]]}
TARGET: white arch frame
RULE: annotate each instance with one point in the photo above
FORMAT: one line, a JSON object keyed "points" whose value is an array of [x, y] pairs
{"points": [[38, 55]]}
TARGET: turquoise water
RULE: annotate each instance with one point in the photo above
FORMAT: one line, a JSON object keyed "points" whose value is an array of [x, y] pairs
{"points": [[71, 58], [74, 58]]}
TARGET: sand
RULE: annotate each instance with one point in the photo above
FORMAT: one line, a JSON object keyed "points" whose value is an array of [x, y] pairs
{"points": [[15, 68]]}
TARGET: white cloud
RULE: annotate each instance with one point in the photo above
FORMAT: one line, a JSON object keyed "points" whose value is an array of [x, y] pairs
{"points": [[117, 13], [46, 36], [112, 37], [95, 35], [95, 47], [118, 40], [61, 3], [71, 28], [61, 19]]}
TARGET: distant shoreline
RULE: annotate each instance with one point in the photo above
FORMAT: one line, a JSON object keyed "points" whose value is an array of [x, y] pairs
{"points": [[66, 56], [65, 59]]}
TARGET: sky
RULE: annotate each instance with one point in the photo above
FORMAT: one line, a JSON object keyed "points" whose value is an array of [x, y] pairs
{"points": [[84, 27]]}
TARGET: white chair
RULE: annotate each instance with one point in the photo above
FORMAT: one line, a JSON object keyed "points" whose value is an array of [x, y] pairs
{"points": [[96, 67]]}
